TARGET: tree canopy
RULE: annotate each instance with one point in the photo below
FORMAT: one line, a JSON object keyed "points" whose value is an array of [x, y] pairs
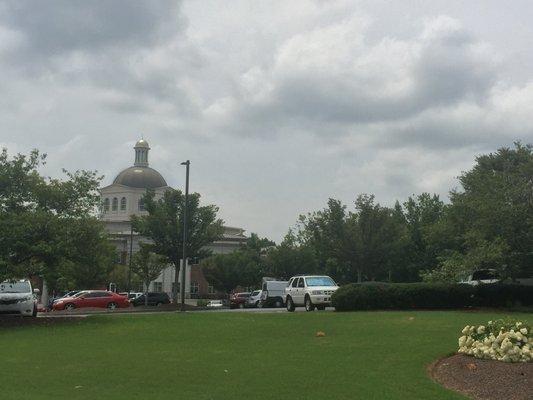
{"points": [[48, 227], [148, 266], [487, 223], [163, 225], [244, 267]]}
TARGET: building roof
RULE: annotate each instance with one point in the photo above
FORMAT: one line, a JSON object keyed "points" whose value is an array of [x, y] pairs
{"points": [[142, 143], [140, 177]]}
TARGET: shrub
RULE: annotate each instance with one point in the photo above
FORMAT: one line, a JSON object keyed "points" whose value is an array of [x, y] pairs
{"points": [[504, 295], [201, 303], [386, 296], [503, 340]]}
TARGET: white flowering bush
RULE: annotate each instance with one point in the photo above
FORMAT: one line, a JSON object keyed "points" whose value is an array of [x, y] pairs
{"points": [[503, 340]]}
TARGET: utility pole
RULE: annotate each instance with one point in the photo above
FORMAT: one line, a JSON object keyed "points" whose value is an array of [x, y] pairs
{"points": [[184, 256]]}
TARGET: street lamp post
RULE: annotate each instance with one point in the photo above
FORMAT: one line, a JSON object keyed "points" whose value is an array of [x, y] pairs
{"points": [[130, 258], [184, 257]]}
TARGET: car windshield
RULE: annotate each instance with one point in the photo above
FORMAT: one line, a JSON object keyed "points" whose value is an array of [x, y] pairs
{"points": [[15, 287], [79, 294], [320, 281]]}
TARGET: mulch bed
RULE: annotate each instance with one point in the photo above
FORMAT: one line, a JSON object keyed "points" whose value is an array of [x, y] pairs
{"points": [[484, 379]]}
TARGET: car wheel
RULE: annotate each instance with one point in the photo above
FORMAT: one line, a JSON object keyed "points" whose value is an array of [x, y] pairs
{"points": [[241, 305], [257, 304], [69, 307], [34, 312], [278, 304], [158, 304], [290, 304], [308, 305], [112, 305]]}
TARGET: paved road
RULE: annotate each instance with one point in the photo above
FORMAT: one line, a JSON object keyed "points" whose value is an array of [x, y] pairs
{"points": [[147, 312]]}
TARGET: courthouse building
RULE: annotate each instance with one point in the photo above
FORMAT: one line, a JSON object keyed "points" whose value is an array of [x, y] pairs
{"points": [[123, 198]]}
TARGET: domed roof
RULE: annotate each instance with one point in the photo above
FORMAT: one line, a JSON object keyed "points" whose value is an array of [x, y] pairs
{"points": [[142, 143], [140, 177]]}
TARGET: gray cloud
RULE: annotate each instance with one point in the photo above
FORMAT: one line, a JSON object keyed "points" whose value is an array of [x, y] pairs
{"points": [[442, 67], [135, 52], [278, 106], [60, 26]]}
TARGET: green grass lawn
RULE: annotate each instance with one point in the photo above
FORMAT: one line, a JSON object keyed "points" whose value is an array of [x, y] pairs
{"points": [[365, 355]]}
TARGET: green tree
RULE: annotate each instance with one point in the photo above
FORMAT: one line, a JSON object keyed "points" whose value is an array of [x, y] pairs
{"points": [[257, 244], [164, 226], [381, 238], [366, 243], [332, 236], [243, 267], [148, 266], [425, 240], [290, 258], [48, 227], [491, 218], [91, 260], [223, 271], [120, 275]]}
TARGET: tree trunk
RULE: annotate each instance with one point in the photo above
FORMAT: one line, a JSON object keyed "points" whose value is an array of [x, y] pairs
{"points": [[146, 294]]}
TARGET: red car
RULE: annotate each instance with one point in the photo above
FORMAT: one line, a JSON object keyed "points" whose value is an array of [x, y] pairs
{"points": [[92, 298], [238, 300]]}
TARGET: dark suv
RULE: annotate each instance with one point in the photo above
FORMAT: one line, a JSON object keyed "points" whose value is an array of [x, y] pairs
{"points": [[154, 299]]}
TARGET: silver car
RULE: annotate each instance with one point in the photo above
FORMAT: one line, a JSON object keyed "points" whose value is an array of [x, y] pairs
{"points": [[255, 299]]}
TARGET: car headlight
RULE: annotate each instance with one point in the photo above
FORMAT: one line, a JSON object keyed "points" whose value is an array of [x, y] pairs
{"points": [[315, 292]]}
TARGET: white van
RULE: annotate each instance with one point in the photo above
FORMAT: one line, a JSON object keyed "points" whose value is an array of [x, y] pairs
{"points": [[272, 293], [17, 297]]}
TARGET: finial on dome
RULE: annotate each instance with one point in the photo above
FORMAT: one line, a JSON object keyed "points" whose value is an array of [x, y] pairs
{"points": [[142, 143], [141, 153]]}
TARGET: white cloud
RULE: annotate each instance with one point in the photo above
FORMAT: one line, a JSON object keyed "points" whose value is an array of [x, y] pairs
{"points": [[279, 105]]}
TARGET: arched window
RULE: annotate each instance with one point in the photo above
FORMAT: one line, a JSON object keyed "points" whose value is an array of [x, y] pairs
{"points": [[141, 204], [123, 204], [106, 205], [114, 206]]}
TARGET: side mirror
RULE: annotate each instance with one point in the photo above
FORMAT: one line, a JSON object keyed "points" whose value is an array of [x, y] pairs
{"points": [[36, 291]]}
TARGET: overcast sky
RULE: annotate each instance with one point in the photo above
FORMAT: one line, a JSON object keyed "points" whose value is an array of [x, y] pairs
{"points": [[278, 104]]}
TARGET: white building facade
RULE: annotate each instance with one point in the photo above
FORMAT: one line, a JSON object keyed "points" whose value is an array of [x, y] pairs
{"points": [[123, 198]]}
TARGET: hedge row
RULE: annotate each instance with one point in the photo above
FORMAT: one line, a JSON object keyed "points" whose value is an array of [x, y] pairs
{"points": [[402, 296]]}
